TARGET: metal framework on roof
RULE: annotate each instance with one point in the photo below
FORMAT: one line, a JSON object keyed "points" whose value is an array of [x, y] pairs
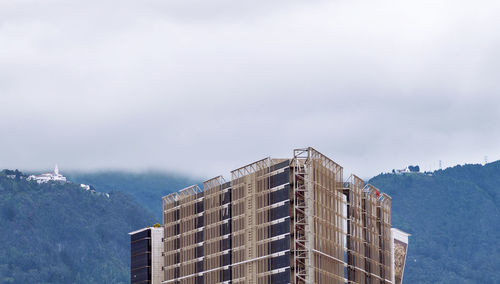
{"points": [[339, 230], [251, 168], [213, 182]]}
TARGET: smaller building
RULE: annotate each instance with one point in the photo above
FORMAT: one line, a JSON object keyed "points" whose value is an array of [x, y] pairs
{"points": [[46, 177], [146, 261], [401, 171]]}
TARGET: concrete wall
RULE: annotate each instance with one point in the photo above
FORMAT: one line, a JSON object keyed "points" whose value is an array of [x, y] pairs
{"points": [[156, 255]]}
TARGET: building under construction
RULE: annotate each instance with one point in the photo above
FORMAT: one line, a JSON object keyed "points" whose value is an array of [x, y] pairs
{"points": [[281, 221]]}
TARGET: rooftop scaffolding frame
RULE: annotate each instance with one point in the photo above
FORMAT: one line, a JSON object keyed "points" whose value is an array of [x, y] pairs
{"points": [[251, 168], [213, 182], [318, 204], [188, 191], [298, 214], [300, 248]]}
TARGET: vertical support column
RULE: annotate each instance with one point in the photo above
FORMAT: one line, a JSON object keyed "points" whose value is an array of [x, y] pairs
{"points": [[250, 228], [301, 250], [353, 189], [245, 185], [156, 255], [308, 194]]}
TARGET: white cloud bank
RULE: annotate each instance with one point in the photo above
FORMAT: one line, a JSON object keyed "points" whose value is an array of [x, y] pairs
{"points": [[203, 87]]}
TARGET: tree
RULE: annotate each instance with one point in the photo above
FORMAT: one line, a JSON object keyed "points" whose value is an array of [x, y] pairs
{"points": [[414, 169]]}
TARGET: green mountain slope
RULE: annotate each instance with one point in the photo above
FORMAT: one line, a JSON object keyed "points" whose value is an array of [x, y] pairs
{"points": [[454, 219], [147, 188], [61, 233]]}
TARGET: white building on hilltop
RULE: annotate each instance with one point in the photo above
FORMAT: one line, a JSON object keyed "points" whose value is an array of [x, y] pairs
{"points": [[43, 178]]}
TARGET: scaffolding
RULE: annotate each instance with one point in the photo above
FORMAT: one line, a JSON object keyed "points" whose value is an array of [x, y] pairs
{"points": [[301, 243], [319, 230], [300, 210]]}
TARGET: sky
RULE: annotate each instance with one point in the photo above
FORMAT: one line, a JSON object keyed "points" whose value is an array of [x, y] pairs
{"points": [[201, 87]]}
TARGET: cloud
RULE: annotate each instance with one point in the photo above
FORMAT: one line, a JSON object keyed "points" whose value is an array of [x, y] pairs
{"points": [[203, 87]]}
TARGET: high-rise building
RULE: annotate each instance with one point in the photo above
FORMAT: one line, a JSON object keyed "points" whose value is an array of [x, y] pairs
{"points": [[146, 255], [290, 220]]}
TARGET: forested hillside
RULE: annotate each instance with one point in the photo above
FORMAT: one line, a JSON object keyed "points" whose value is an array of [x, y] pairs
{"points": [[454, 218], [61, 233], [147, 188]]}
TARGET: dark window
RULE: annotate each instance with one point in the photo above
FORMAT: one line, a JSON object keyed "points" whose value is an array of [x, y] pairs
{"points": [[280, 165], [225, 244], [199, 266], [199, 207], [139, 275], [226, 213], [279, 179], [199, 236], [280, 245], [351, 274], [199, 279], [280, 228], [226, 259], [226, 274], [140, 235], [280, 211], [140, 260], [279, 195], [226, 197], [141, 246], [280, 278], [199, 222], [225, 228], [199, 251], [351, 259], [280, 261]]}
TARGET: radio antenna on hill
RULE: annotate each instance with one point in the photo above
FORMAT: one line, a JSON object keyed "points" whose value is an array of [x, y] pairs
{"points": [[485, 160], [440, 165]]}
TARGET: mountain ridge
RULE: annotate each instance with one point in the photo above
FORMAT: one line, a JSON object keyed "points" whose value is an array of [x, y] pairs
{"points": [[453, 216], [61, 233], [147, 188]]}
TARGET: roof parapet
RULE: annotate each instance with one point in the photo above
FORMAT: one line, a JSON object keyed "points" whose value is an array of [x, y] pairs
{"points": [[188, 191], [251, 168], [213, 182]]}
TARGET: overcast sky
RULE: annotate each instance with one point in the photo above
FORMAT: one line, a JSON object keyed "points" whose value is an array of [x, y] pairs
{"points": [[203, 87]]}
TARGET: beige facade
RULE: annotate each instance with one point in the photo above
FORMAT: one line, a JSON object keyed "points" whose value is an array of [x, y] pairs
{"points": [[279, 221]]}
